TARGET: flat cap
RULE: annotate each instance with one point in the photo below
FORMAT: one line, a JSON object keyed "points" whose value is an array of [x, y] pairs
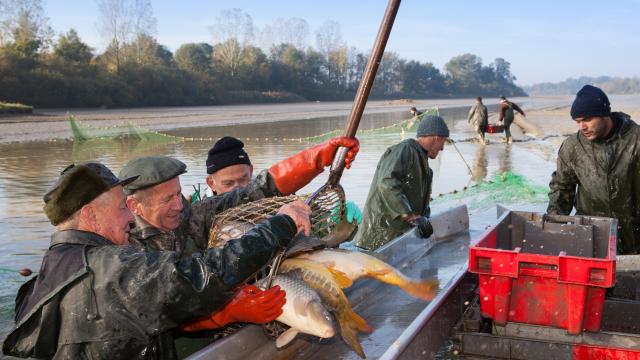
{"points": [[77, 186], [152, 170]]}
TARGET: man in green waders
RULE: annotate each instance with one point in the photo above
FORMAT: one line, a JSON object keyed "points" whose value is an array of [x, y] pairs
{"points": [[399, 195], [598, 168]]}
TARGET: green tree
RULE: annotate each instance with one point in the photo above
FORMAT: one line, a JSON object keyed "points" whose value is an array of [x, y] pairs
{"points": [[194, 58], [71, 48]]}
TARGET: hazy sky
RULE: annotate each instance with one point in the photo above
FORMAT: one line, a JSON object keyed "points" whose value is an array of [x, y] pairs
{"points": [[543, 40]]}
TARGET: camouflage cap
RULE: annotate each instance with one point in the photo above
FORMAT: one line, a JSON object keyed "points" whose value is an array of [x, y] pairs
{"points": [[153, 170], [77, 186]]}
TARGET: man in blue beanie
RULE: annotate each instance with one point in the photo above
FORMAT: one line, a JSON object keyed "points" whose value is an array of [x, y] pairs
{"points": [[401, 188], [598, 168]]}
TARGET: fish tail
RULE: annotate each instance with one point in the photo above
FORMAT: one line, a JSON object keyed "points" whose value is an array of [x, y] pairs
{"points": [[349, 323], [421, 289]]}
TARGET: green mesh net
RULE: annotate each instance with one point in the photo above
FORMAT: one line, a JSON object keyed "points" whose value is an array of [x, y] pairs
{"points": [[502, 188], [83, 132]]}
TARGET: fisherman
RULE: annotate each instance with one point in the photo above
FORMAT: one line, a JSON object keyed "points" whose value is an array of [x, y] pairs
{"points": [[506, 116], [164, 219], [479, 117], [401, 188], [229, 168], [414, 112], [97, 298], [598, 168]]}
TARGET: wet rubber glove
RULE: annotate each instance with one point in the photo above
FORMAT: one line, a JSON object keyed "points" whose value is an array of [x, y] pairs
{"points": [[425, 229], [250, 304], [352, 212], [293, 173]]}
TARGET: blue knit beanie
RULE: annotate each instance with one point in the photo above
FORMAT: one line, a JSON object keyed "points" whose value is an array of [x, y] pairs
{"points": [[432, 125], [590, 101]]}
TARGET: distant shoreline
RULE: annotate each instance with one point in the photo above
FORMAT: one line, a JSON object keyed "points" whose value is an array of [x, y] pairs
{"points": [[53, 124]]}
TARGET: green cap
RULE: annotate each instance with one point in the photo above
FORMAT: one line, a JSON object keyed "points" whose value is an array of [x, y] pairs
{"points": [[153, 170], [79, 185]]}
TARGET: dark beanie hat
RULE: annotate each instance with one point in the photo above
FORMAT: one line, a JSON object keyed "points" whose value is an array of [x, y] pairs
{"points": [[226, 152], [432, 125], [590, 101]]}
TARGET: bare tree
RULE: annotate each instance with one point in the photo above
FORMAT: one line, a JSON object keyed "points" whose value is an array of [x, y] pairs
{"points": [[144, 29], [233, 24], [24, 21], [232, 32], [294, 31], [115, 26], [329, 37]]}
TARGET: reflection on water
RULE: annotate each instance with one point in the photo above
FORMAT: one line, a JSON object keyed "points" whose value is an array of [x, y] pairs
{"points": [[28, 169]]}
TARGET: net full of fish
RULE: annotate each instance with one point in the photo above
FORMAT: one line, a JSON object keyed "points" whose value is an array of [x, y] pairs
{"points": [[314, 280]]}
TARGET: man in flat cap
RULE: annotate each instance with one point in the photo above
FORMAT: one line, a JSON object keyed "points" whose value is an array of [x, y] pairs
{"points": [[96, 299], [401, 188], [598, 168], [506, 115], [166, 221]]}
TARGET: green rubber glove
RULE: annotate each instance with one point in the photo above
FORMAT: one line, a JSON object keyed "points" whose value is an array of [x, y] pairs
{"points": [[351, 212]]}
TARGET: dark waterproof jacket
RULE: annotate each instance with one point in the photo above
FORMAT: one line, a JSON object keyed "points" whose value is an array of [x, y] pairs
{"points": [[193, 232], [400, 186], [602, 178], [505, 112], [95, 300], [478, 116]]}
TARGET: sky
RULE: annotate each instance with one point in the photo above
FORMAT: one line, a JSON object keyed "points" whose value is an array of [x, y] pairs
{"points": [[545, 41]]}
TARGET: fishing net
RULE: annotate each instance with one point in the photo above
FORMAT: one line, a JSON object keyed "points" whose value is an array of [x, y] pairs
{"points": [[503, 188], [83, 132]]}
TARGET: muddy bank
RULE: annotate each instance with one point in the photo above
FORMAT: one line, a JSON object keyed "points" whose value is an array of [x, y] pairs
{"points": [[53, 124]]}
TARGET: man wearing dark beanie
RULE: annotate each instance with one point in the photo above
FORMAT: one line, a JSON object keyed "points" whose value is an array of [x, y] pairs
{"points": [[228, 166], [598, 168]]}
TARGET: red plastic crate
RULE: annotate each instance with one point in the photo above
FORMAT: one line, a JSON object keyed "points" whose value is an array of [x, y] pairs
{"points": [[584, 352], [495, 128], [523, 282]]}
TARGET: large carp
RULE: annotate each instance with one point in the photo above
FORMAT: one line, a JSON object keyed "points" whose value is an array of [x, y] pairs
{"points": [[355, 265]]}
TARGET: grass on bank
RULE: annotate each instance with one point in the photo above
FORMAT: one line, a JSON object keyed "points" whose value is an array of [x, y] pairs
{"points": [[15, 108]]}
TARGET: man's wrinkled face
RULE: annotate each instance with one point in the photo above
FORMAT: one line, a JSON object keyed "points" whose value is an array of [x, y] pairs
{"points": [[433, 145], [112, 217], [595, 127], [160, 205], [229, 178]]}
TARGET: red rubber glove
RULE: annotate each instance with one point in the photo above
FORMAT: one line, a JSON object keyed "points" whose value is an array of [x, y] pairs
{"points": [[293, 173], [250, 304]]}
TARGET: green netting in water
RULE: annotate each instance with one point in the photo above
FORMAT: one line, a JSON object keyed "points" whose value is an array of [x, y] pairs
{"points": [[82, 132], [502, 188], [407, 125]]}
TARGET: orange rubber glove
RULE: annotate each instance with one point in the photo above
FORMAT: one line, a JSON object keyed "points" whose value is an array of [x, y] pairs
{"points": [[250, 304], [293, 173]]}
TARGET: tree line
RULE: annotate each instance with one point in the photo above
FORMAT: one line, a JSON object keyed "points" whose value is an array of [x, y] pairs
{"points": [[242, 64], [611, 85]]}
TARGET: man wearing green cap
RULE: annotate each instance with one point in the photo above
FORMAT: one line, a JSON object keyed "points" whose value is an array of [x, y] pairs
{"points": [[399, 194], [94, 299], [166, 221], [598, 168]]}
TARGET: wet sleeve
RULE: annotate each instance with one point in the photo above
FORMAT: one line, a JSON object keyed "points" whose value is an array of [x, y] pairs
{"points": [[204, 212], [160, 291], [471, 112], [517, 108], [564, 182], [394, 170]]}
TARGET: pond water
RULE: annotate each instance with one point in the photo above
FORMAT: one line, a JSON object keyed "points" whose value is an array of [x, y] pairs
{"points": [[28, 169]]}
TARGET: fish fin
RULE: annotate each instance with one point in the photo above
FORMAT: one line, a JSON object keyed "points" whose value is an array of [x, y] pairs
{"points": [[349, 323], [299, 306], [286, 337], [341, 278], [379, 272], [421, 289]]}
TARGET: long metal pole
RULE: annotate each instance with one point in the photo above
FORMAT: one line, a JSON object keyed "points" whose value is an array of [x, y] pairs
{"points": [[365, 86]]}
